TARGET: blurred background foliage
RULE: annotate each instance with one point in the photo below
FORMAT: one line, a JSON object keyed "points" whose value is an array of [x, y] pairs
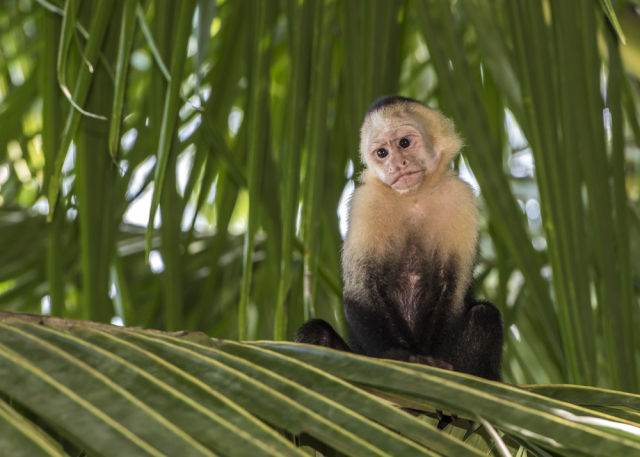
{"points": [[234, 126]]}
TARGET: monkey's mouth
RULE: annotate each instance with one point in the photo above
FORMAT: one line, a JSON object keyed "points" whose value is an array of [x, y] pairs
{"points": [[407, 180]]}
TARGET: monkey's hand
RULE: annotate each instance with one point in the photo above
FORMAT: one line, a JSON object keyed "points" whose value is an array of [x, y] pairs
{"points": [[443, 420], [431, 361]]}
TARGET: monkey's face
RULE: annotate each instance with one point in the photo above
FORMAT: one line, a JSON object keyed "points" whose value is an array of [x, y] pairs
{"points": [[399, 152]]}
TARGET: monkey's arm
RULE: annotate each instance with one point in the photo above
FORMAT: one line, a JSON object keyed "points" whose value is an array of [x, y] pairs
{"points": [[478, 349]]}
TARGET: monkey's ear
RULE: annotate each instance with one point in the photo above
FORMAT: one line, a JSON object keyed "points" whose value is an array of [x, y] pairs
{"points": [[445, 140]]}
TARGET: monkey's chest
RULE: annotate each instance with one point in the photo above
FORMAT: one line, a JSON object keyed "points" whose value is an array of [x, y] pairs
{"points": [[407, 293], [416, 283]]}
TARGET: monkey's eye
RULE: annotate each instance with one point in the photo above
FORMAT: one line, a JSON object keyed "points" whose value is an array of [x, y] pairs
{"points": [[382, 153], [405, 143]]}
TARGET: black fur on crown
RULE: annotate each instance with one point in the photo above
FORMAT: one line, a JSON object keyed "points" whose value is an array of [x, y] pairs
{"points": [[390, 100]]}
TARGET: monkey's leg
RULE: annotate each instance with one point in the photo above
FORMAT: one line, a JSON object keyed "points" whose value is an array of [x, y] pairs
{"points": [[478, 349], [376, 333], [320, 333]]}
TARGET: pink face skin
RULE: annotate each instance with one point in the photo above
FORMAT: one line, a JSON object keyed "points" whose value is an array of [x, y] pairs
{"points": [[399, 157]]}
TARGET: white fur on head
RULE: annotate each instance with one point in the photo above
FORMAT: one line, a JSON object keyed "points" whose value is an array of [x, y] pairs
{"points": [[439, 137]]}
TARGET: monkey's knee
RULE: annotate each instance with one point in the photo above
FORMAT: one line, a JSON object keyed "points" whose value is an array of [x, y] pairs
{"points": [[479, 348], [485, 317], [320, 333]]}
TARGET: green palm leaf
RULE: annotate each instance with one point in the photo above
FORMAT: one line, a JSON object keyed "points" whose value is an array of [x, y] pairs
{"points": [[164, 394]]}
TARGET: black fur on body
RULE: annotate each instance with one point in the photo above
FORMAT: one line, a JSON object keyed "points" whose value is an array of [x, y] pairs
{"points": [[412, 299], [406, 316]]}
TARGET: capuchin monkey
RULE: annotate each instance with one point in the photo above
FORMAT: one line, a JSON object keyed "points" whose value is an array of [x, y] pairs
{"points": [[410, 250]]}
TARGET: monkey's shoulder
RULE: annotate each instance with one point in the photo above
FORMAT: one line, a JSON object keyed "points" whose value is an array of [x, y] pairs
{"points": [[440, 217]]}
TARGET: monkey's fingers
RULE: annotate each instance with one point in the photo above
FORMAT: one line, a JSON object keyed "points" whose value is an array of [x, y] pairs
{"points": [[444, 421], [413, 412], [432, 361]]}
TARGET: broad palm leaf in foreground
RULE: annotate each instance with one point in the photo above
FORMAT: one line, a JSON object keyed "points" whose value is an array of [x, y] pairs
{"points": [[68, 385]]}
